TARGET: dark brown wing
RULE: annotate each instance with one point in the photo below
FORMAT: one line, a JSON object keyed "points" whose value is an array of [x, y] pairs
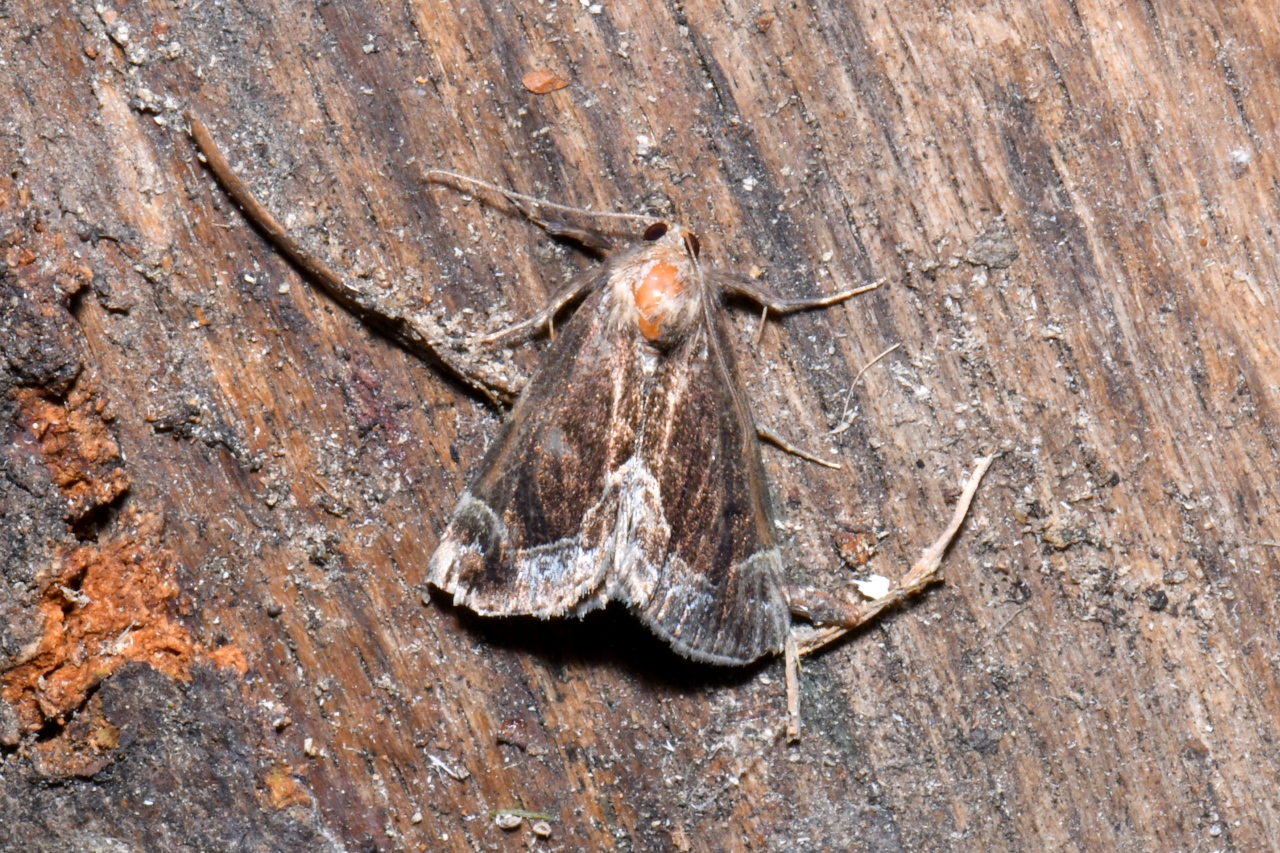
{"points": [[716, 592], [534, 533]]}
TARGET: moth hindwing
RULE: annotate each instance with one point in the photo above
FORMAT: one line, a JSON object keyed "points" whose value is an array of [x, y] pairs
{"points": [[629, 470]]}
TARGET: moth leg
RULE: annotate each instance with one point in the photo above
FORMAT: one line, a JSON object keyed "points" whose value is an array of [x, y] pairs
{"points": [[792, 657], [737, 284], [528, 328], [587, 238], [418, 333], [767, 434], [834, 617]]}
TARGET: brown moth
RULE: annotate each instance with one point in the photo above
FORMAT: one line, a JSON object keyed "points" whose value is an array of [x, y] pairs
{"points": [[630, 469]]}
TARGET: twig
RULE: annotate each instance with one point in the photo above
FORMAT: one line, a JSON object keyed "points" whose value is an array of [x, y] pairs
{"points": [[1005, 624], [440, 766], [921, 575], [527, 815]]}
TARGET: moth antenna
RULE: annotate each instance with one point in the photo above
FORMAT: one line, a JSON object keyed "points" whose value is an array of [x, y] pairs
{"points": [[442, 176], [419, 338]]}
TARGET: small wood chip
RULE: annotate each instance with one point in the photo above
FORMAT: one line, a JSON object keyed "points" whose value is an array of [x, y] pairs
{"points": [[541, 82]]}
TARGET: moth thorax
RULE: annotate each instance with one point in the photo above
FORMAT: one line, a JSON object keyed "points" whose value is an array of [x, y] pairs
{"points": [[655, 290], [657, 294]]}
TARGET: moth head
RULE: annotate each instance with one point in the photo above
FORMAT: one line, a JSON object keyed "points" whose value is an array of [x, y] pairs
{"points": [[656, 285]]}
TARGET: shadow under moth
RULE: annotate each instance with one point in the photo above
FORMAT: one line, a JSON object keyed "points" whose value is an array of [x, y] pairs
{"points": [[629, 469]]}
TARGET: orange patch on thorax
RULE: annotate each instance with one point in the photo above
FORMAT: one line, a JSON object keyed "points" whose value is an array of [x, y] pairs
{"points": [[655, 292]]}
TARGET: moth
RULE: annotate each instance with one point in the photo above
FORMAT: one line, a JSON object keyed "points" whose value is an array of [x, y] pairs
{"points": [[629, 469]]}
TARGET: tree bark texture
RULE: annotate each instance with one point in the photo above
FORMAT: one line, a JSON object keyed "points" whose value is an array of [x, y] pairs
{"points": [[220, 490]]}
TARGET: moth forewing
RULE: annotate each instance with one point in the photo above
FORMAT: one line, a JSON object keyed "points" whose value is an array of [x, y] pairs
{"points": [[722, 596], [530, 533]]}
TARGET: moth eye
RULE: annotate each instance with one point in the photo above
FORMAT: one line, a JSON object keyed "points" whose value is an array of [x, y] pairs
{"points": [[655, 231], [692, 242]]}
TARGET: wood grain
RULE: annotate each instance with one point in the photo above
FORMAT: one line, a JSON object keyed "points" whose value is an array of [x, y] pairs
{"points": [[1074, 207]]}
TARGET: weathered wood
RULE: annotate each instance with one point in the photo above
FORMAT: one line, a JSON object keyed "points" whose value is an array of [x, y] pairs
{"points": [[1074, 207]]}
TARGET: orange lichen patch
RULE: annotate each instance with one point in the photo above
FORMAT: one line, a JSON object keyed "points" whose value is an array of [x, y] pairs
{"points": [[72, 438], [660, 285], [856, 546], [107, 605], [230, 657], [542, 82], [283, 789], [83, 749], [68, 274], [62, 416]]}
